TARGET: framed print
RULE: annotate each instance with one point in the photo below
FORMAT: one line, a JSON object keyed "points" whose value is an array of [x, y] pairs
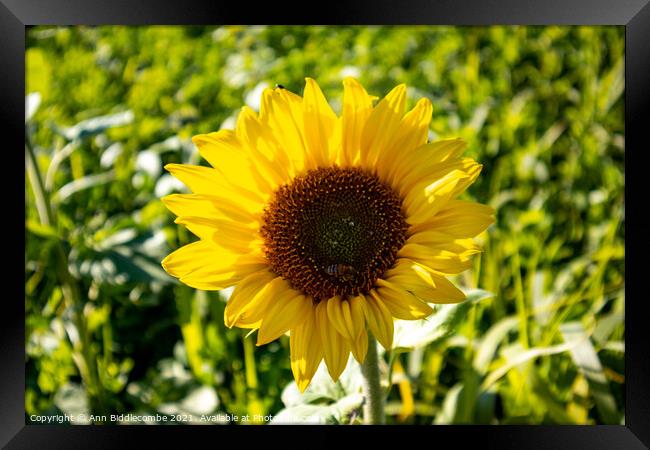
{"points": [[411, 219]]}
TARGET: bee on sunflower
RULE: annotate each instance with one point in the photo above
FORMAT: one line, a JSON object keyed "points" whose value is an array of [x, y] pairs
{"points": [[327, 227]]}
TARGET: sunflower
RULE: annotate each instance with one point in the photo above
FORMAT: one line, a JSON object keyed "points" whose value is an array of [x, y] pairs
{"points": [[327, 227]]}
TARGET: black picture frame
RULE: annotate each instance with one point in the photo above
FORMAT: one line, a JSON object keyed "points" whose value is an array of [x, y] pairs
{"points": [[16, 15]]}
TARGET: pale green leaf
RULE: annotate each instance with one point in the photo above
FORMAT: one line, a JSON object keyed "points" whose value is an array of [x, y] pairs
{"points": [[585, 357], [488, 344], [410, 334]]}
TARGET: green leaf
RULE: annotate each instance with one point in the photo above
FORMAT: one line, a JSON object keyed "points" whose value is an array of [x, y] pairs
{"points": [[490, 341], [38, 71], [449, 406], [87, 182], [615, 346], [554, 406], [606, 326], [96, 317], [120, 237], [201, 400], [39, 229], [459, 405], [351, 380], [119, 264], [585, 357], [346, 406], [476, 295], [516, 355], [485, 407], [322, 389], [32, 102], [323, 401], [96, 125], [611, 86], [304, 414], [320, 414], [410, 334], [72, 399]]}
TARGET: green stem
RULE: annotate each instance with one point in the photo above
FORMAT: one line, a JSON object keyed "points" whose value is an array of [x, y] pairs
{"points": [[522, 309], [40, 196], [86, 365], [255, 406], [373, 408]]}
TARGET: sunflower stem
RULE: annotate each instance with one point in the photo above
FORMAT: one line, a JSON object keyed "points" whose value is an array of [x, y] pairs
{"points": [[373, 408]]}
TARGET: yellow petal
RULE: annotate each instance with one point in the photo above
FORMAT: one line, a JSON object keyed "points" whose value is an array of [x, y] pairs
{"points": [[346, 316], [357, 107], [319, 123], [426, 157], [336, 348], [358, 312], [440, 260], [379, 321], [413, 132], [230, 156], [429, 236], [425, 200], [306, 350], [251, 315], [442, 241], [357, 321], [443, 290], [400, 303], [427, 284], [444, 150], [360, 347], [206, 266], [271, 161], [336, 316], [206, 180], [211, 206], [285, 312], [246, 295], [461, 219], [464, 248], [226, 233], [421, 161], [429, 173], [282, 112], [243, 266], [381, 126], [200, 179]]}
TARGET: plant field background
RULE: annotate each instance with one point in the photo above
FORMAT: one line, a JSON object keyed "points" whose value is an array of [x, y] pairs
{"points": [[540, 341]]}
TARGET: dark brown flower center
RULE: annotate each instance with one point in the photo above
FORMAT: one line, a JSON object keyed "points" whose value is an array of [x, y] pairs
{"points": [[333, 231]]}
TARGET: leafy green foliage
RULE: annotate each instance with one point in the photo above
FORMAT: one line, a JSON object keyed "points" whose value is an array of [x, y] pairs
{"points": [[108, 332], [324, 402]]}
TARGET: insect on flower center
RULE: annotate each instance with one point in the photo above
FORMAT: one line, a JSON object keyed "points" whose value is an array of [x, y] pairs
{"points": [[333, 231]]}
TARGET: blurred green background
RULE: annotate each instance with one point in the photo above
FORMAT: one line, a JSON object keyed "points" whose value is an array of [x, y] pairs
{"points": [[108, 332]]}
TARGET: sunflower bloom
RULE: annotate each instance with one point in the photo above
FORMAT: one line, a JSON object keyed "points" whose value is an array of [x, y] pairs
{"points": [[327, 227]]}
